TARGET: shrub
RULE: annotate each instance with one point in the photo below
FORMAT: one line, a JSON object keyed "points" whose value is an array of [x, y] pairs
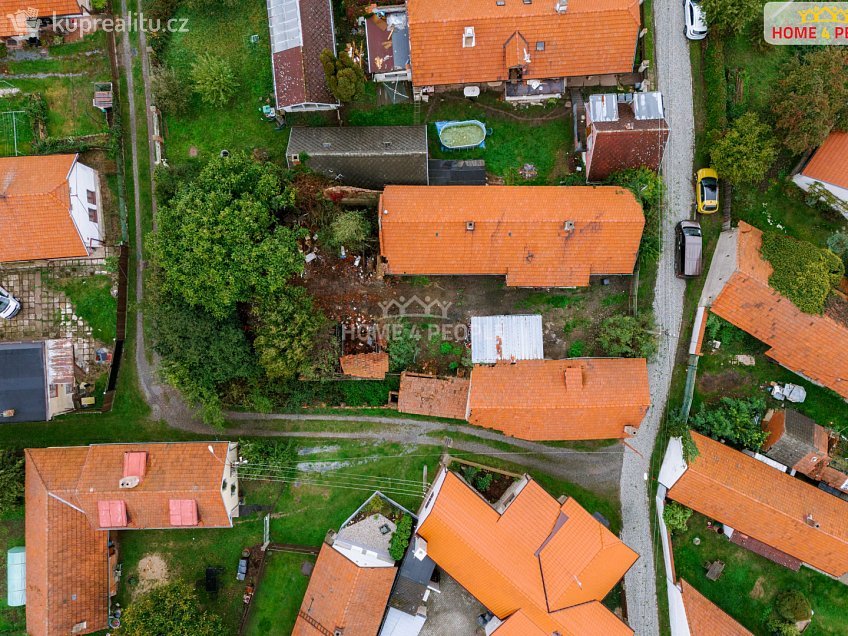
{"points": [[172, 608], [268, 453], [213, 79], [484, 481], [345, 78], [745, 152], [576, 349], [725, 333], [628, 336], [400, 538], [678, 427], [803, 273], [402, 346], [731, 17], [838, 244], [676, 517], [169, 91], [793, 606], [11, 479], [647, 186], [351, 230], [736, 420]]}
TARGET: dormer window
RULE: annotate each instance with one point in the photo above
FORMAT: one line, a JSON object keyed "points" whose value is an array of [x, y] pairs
{"points": [[468, 38]]}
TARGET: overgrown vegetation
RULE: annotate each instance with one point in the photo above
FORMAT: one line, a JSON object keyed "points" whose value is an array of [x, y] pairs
{"points": [[173, 609], [11, 480], [345, 78], [790, 608], [628, 336], [736, 420], [647, 186], [803, 273], [746, 152], [400, 538], [676, 517]]}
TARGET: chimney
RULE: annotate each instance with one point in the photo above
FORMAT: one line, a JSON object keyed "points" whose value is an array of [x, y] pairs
{"points": [[811, 522], [561, 6]]}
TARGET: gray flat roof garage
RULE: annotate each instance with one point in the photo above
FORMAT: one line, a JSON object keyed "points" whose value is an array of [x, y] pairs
{"points": [[22, 382]]}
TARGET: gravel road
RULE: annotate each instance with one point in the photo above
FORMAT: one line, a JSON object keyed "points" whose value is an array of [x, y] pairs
{"points": [[675, 83]]}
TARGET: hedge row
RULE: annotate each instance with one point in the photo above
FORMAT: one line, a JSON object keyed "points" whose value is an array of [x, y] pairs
{"points": [[715, 83]]}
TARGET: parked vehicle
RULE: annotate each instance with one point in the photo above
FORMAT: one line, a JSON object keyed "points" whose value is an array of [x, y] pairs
{"points": [[243, 563], [9, 305], [707, 191], [696, 24], [688, 261]]}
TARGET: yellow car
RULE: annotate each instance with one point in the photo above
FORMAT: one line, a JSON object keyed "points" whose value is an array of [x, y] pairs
{"points": [[707, 191]]}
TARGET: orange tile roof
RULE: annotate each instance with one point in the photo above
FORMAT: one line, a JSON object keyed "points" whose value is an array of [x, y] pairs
{"points": [[706, 618], [592, 37], [342, 595], [67, 558], [11, 9], [519, 232], [585, 398], [518, 564], [429, 395], [769, 505], [829, 163], [748, 302], [35, 217], [373, 366]]}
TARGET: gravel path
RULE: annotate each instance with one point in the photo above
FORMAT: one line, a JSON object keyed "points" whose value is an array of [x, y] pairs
{"points": [[675, 83]]}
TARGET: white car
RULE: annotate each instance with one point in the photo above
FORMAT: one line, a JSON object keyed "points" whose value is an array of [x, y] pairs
{"points": [[9, 306], [696, 25]]}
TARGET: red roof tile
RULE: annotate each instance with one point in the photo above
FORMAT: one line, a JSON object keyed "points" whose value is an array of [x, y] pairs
{"points": [[72, 492], [520, 564], [586, 398], [13, 11], [429, 395], [592, 37], [769, 505], [829, 164], [341, 595], [35, 213], [705, 618], [748, 302], [518, 231], [372, 366]]}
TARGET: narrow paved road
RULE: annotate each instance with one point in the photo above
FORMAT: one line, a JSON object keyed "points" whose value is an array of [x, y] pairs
{"points": [[675, 83]]}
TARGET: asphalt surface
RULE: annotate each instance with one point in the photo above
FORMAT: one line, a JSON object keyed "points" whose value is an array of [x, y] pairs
{"points": [[675, 82]]}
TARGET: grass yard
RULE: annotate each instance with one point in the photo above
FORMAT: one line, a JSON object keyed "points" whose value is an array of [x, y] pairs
{"points": [[93, 302], [539, 135], [72, 70], [274, 610], [239, 125], [750, 583]]}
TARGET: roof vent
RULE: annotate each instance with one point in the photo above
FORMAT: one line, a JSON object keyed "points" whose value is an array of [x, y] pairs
{"points": [[500, 3], [812, 522], [468, 38], [568, 226], [387, 144], [338, 631], [561, 6], [129, 482], [327, 144], [469, 225]]}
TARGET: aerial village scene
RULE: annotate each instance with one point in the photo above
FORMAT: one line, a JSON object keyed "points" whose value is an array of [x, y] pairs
{"points": [[423, 318]]}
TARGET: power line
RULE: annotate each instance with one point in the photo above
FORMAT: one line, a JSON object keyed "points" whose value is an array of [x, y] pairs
{"points": [[309, 482], [293, 469]]}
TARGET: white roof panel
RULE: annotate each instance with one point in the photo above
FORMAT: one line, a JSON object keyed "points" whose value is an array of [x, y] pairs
{"points": [[648, 106], [496, 338], [284, 22], [603, 107]]}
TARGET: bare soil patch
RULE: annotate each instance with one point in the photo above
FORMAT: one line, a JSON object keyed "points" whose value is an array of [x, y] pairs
{"points": [[152, 572]]}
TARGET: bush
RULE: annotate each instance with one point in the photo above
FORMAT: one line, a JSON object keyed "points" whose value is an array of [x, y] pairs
{"points": [[213, 79], [728, 335], [803, 273], [351, 230], [838, 244], [746, 151], [11, 480], [345, 78], [679, 427], [172, 609], [793, 606], [575, 350], [736, 420], [169, 91], [400, 538], [402, 346], [366, 392], [676, 517], [628, 336], [647, 186], [268, 453], [484, 481]]}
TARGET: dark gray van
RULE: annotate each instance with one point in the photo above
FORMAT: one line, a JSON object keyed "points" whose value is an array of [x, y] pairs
{"points": [[688, 260]]}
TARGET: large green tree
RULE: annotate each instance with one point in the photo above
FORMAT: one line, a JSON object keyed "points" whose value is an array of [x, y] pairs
{"points": [[345, 78], [746, 152], [169, 610], [219, 242], [811, 98]]}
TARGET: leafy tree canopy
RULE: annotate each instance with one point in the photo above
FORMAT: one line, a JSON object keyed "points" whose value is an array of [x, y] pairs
{"points": [[811, 98], [676, 516], [803, 273], [345, 78], [647, 186], [628, 336], [736, 420], [169, 610], [731, 17], [218, 240], [746, 152]]}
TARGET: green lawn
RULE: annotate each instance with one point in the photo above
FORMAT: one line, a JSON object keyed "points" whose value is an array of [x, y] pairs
{"points": [[750, 583], [92, 299], [274, 609], [239, 125]]}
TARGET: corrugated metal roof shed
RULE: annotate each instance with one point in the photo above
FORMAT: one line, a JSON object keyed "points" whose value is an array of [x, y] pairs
{"points": [[648, 106], [603, 107], [363, 156], [496, 338]]}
